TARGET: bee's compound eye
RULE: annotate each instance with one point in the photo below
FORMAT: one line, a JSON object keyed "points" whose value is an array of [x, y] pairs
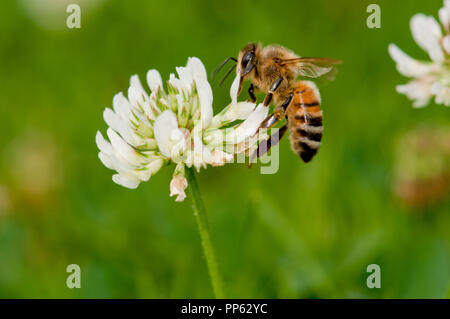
{"points": [[247, 58]]}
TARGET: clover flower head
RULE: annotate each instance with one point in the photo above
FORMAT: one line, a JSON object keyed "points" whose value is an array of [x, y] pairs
{"points": [[422, 166], [430, 79], [175, 125]]}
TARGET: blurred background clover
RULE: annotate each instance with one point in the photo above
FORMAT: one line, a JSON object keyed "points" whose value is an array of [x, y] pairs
{"points": [[422, 168]]}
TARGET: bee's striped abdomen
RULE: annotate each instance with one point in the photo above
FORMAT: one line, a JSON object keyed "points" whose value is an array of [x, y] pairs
{"points": [[305, 120]]}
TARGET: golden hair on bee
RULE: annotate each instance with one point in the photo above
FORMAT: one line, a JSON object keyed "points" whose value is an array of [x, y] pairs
{"points": [[265, 66]]}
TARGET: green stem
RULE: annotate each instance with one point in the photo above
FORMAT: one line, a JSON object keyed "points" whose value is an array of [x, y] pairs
{"points": [[200, 215]]}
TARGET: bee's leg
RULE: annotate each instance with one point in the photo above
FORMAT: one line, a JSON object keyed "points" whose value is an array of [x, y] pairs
{"points": [[251, 92], [272, 90], [264, 146], [277, 115], [280, 111], [269, 122]]}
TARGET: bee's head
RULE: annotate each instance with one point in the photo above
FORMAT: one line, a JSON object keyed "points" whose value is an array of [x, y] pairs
{"points": [[246, 61]]}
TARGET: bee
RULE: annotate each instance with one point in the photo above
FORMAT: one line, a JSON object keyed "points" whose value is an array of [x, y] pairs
{"points": [[274, 70]]}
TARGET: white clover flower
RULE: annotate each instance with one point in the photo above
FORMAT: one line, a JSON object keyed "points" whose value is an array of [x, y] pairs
{"points": [[430, 79], [147, 131]]}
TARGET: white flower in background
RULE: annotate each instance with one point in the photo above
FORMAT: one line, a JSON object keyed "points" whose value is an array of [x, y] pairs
{"points": [[430, 79], [147, 131]]}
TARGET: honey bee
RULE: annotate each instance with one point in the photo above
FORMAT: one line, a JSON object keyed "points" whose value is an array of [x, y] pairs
{"points": [[274, 70]]}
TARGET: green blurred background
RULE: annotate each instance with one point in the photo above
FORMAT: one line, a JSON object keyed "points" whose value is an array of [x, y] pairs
{"points": [[308, 231]]}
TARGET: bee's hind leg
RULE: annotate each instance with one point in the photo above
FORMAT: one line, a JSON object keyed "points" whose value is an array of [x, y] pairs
{"points": [[264, 146], [270, 121]]}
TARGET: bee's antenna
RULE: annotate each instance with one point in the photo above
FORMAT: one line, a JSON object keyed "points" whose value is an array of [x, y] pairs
{"points": [[227, 74], [213, 74]]}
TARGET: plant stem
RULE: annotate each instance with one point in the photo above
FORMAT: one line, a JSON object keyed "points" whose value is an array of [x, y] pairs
{"points": [[202, 223]]}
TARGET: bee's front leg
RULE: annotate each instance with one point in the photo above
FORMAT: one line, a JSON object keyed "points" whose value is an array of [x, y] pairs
{"points": [[251, 92], [272, 90]]}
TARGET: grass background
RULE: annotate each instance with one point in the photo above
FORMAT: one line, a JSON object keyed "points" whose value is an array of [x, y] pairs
{"points": [[308, 231]]}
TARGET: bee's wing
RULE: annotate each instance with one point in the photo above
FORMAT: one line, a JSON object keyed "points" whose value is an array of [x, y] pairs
{"points": [[312, 67]]}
